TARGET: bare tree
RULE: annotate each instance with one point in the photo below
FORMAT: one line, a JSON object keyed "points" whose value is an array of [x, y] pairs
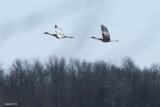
{"points": [[76, 83]]}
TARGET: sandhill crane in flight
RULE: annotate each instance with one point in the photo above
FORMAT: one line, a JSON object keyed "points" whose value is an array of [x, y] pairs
{"points": [[105, 35], [59, 33]]}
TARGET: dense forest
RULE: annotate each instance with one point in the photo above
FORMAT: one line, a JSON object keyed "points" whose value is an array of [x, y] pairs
{"points": [[74, 83]]}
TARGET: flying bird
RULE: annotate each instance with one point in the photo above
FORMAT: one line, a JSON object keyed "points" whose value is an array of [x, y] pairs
{"points": [[105, 35], [59, 33]]}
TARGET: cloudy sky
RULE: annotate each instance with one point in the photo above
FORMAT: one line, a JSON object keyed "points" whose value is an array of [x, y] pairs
{"points": [[135, 23]]}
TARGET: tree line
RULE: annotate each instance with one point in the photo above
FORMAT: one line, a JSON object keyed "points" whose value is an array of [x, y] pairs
{"points": [[75, 83]]}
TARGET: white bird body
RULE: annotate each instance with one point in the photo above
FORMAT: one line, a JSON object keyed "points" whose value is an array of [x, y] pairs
{"points": [[59, 33], [60, 36]]}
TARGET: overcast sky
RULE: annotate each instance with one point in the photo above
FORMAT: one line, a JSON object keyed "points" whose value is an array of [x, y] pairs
{"points": [[135, 23]]}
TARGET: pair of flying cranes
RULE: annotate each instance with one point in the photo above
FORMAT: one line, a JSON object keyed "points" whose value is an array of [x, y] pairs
{"points": [[105, 34]]}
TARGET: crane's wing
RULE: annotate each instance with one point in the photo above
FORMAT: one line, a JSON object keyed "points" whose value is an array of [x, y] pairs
{"points": [[59, 31], [105, 33]]}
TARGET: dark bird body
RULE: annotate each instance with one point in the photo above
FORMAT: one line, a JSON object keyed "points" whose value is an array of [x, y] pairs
{"points": [[105, 35]]}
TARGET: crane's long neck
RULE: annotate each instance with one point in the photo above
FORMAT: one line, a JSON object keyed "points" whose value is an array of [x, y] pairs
{"points": [[50, 34], [97, 38]]}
